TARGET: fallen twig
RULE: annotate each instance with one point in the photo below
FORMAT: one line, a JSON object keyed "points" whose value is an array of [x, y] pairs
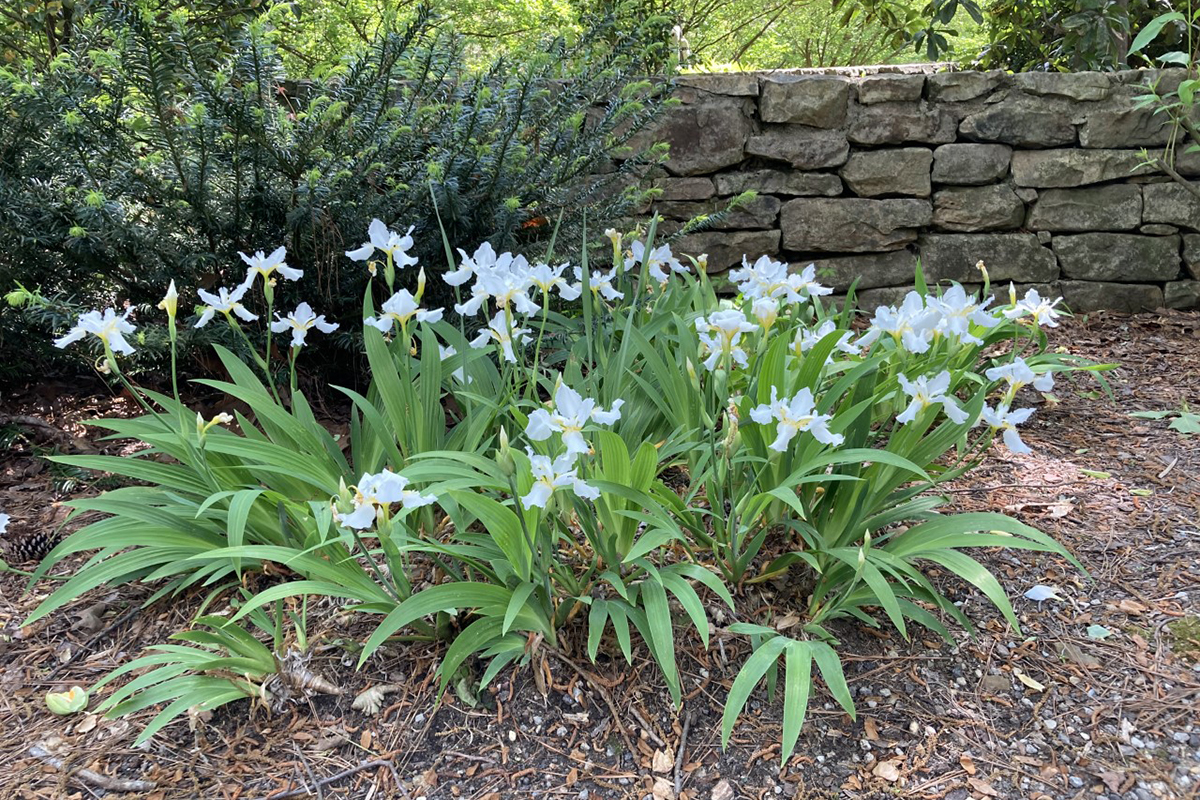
{"points": [[53, 433], [89, 776], [687, 723], [317, 785]]}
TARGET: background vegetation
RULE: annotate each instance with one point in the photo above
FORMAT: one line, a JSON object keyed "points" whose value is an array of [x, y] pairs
{"points": [[145, 140]]}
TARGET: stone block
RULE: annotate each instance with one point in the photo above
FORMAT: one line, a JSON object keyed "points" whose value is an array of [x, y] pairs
{"points": [[726, 248], [1082, 86], [871, 270], [977, 208], [890, 89], [971, 164], [1124, 127], [852, 225], [1101, 208], [1122, 257], [1191, 254], [901, 123], [870, 299], [732, 84], [956, 87], [759, 212], [800, 146], [1019, 123], [1172, 204], [817, 101], [1008, 257], [1053, 169], [779, 181], [1158, 229], [685, 188], [705, 135], [1182, 294], [904, 170], [1084, 297]]}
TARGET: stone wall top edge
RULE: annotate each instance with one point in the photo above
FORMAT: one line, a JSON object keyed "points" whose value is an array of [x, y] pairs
{"points": [[715, 81]]}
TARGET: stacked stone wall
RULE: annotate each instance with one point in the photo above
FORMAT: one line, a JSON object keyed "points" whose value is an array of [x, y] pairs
{"points": [[1041, 176]]}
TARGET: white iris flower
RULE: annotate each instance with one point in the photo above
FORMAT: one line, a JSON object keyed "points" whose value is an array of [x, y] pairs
{"points": [[600, 283], [300, 322], [766, 311], [499, 330], [1002, 419], [376, 492], [4, 518], [267, 266], [387, 242], [485, 258], [793, 416], [570, 414], [551, 475], [959, 311], [401, 307], [720, 333], [767, 277], [1018, 375], [925, 392], [1033, 305], [227, 301], [658, 258], [545, 277], [912, 324], [108, 327]]}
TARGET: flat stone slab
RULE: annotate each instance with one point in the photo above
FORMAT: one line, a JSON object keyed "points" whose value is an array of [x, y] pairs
{"points": [[1172, 204], [1086, 296], [956, 87], [1128, 127], [779, 181], [977, 208], [800, 146], [804, 100], [901, 123], [705, 135], [871, 270], [1021, 124], [890, 89], [1102, 208], [1081, 86], [1017, 257], [1118, 257], [904, 171], [1182, 294], [965, 164], [726, 248], [1057, 169], [685, 188], [760, 212], [852, 225]]}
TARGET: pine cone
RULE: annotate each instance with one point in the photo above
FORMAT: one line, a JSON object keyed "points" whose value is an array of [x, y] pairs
{"points": [[31, 547]]}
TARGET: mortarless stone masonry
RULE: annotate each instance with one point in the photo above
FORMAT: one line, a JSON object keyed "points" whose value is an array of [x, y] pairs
{"points": [[1040, 176]]}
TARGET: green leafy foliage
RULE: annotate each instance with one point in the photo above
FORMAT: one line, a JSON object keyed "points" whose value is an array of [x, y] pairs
{"points": [[156, 149]]}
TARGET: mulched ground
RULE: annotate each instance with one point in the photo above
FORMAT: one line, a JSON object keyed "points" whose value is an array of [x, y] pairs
{"points": [[1049, 712]]}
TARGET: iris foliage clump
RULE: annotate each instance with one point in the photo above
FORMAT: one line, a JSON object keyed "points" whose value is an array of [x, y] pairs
{"points": [[615, 453]]}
